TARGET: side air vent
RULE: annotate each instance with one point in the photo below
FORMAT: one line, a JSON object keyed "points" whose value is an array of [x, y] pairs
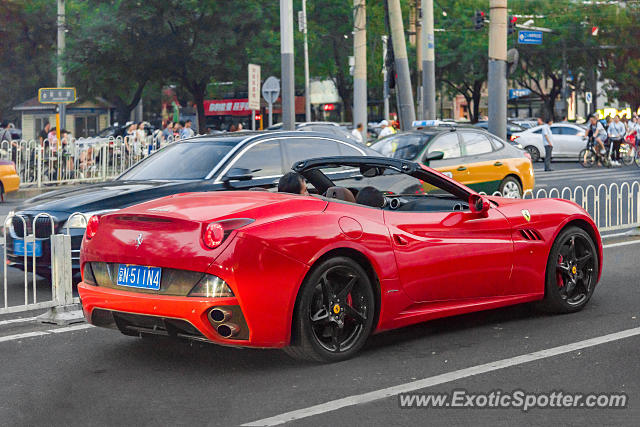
{"points": [[530, 234]]}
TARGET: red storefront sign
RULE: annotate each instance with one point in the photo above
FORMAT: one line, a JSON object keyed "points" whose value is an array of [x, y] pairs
{"points": [[227, 107], [240, 107]]}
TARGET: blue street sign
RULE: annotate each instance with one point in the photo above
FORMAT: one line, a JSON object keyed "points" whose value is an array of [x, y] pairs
{"points": [[517, 93], [530, 37]]}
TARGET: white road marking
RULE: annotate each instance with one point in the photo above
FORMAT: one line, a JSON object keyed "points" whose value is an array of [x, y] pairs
{"points": [[18, 320], [21, 336], [47, 332], [613, 245], [440, 379]]}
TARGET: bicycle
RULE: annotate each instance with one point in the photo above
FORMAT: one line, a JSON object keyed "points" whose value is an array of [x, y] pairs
{"points": [[590, 156]]}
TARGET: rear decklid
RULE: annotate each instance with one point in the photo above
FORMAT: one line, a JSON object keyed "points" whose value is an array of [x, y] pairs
{"points": [[167, 232]]}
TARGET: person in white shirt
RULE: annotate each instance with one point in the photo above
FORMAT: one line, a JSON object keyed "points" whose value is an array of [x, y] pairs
{"points": [[386, 129], [357, 133], [616, 132], [546, 142]]}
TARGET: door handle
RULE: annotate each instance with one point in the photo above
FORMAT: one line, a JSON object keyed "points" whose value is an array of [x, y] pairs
{"points": [[497, 164], [462, 168], [400, 240]]}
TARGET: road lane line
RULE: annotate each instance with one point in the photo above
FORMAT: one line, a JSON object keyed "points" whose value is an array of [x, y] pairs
{"points": [[18, 320], [613, 245], [21, 336], [441, 379], [42, 333], [70, 328]]}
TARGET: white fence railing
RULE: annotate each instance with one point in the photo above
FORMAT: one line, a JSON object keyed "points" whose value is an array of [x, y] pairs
{"points": [[76, 160], [612, 207], [30, 292]]}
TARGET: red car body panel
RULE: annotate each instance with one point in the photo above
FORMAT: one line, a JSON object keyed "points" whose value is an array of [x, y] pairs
{"points": [[425, 265]]}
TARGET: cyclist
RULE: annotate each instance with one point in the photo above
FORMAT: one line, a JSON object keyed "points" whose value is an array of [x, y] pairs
{"points": [[597, 135], [616, 132]]}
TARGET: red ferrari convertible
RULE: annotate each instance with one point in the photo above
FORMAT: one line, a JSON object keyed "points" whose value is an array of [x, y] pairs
{"points": [[317, 274]]}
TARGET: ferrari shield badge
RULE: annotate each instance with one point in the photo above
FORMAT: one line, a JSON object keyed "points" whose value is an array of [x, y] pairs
{"points": [[526, 214]]}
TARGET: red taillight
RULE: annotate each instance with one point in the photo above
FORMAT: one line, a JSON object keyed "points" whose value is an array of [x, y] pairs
{"points": [[213, 235], [92, 226], [514, 137]]}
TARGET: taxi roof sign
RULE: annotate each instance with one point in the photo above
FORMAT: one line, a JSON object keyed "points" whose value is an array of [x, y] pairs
{"points": [[57, 95]]}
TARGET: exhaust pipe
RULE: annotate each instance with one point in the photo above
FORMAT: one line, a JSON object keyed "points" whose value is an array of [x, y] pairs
{"points": [[220, 314], [228, 330]]}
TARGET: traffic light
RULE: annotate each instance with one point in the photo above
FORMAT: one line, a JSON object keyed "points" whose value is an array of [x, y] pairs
{"points": [[512, 24], [478, 20]]}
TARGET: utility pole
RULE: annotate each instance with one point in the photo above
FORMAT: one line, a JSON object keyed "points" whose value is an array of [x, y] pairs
{"points": [[307, 100], [60, 71], [406, 109], [565, 109], [385, 78], [419, 43], [428, 62], [498, 68], [287, 70], [360, 66]]}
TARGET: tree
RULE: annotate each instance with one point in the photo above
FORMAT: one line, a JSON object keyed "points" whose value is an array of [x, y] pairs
{"points": [[621, 61], [462, 53], [542, 66], [27, 51], [114, 51]]}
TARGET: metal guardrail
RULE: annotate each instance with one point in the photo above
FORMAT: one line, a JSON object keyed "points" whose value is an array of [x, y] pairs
{"points": [[612, 207], [76, 160]]}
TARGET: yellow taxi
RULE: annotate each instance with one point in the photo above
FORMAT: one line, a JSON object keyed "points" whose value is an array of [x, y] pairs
{"points": [[9, 179], [472, 157]]}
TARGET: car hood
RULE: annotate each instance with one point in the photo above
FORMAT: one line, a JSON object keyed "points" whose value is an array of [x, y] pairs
{"points": [[110, 195]]}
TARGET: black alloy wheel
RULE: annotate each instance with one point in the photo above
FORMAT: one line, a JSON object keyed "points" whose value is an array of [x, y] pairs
{"points": [[572, 271], [334, 314]]}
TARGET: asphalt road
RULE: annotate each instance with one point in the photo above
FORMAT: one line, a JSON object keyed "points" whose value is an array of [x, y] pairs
{"points": [[89, 376]]}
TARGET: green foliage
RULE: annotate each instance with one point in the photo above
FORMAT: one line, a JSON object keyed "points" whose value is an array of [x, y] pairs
{"points": [[462, 52], [27, 51]]}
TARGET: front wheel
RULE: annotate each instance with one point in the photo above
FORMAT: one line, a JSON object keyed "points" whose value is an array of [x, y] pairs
{"points": [[334, 312], [572, 272], [587, 158]]}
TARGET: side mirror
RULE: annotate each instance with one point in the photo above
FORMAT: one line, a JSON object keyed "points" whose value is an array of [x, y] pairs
{"points": [[434, 155], [478, 204], [237, 174]]}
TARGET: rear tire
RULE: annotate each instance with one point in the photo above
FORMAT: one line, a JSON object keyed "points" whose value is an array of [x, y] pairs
{"points": [[533, 152], [572, 272], [510, 187], [334, 312]]}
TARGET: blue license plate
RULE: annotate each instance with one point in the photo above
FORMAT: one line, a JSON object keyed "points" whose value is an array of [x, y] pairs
{"points": [[19, 247], [136, 276]]}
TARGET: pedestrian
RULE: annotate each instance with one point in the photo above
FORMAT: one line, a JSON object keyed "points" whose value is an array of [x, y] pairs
{"points": [[385, 130], [44, 134], [546, 142], [167, 132], [186, 131], [616, 132], [177, 129], [232, 128], [357, 133], [5, 133]]}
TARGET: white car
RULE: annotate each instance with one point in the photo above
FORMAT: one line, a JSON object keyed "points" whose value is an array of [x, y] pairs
{"points": [[568, 139]]}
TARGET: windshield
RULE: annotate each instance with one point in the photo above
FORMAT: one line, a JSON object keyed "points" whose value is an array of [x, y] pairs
{"points": [[402, 146], [185, 160]]}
